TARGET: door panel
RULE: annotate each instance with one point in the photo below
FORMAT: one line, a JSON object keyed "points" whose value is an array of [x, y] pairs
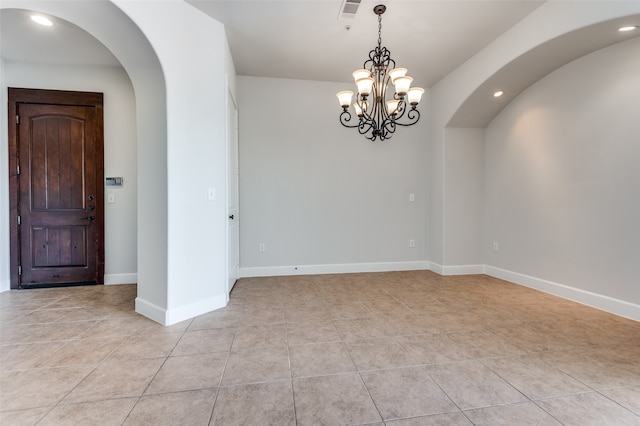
{"points": [[59, 246], [57, 145], [57, 192], [57, 166]]}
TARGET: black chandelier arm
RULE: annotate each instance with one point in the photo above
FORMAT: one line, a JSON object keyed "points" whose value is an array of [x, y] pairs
{"points": [[388, 128], [400, 111], [413, 116], [345, 119], [380, 57], [371, 135], [366, 126]]}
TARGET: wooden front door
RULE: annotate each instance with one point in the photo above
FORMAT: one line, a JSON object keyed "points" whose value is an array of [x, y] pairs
{"points": [[58, 206]]}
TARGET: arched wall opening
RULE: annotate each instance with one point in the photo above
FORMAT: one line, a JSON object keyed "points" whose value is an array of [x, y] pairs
{"points": [[113, 28], [460, 160]]}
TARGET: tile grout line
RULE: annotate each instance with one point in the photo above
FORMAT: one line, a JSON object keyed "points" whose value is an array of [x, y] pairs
{"points": [[293, 393], [139, 398], [224, 371]]}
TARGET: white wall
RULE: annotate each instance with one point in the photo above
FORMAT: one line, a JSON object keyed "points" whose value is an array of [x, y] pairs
{"points": [[194, 67], [463, 212], [320, 196], [562, 192], [551, 20], [119, 149]]}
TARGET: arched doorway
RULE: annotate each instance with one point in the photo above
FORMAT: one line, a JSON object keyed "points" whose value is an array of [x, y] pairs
{"points": [[107, 23]]}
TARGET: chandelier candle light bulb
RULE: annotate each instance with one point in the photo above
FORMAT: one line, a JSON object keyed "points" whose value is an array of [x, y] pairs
{"points": [[397, 72], [360, 107], [344, 98], [392, 107], [414, 95], [364, 86], [379, 118], [402, 85], [358, 74]]}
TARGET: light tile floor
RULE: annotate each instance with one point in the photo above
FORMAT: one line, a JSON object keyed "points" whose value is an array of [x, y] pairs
{"points": [[402, 348]]}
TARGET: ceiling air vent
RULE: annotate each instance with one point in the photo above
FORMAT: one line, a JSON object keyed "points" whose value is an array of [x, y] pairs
{"points": [[348, 9]]}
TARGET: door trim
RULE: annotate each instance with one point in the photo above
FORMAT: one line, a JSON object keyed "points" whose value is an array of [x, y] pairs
{"points": [[233, 238], [52, 97]]}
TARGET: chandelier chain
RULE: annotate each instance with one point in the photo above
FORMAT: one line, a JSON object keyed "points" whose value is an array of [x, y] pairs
{"points": [[379, 31]]}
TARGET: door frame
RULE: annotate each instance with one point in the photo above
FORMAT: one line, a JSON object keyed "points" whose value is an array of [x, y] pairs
{"points": [[51, 97], [233, 239]]}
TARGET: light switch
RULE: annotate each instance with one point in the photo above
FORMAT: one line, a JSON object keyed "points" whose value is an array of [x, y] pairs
{"points": [[212, 193], [111, 198], [412, 197]]}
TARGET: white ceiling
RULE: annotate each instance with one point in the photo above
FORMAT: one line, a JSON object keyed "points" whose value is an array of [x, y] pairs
{"points": [[304, 39]]}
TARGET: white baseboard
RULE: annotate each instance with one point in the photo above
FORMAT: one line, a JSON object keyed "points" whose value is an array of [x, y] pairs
{"points": [[5, 285], [180, 313], [598, 301], [151, 311], [120, 278], [456, 269], [343, 268], [185, 312]]}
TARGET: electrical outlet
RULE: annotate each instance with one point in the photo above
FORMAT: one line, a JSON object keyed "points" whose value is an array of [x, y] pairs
{"points": [[412, 243], [495, 247], [261, 248]]}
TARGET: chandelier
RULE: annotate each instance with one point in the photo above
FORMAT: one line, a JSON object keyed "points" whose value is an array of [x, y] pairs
{"points": [[379, 114]]}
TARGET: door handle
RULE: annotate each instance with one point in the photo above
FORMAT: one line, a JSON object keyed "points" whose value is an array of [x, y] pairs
{"points": [[231, 216]]}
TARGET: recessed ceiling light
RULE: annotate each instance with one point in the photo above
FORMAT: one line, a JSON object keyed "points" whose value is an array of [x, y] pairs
{"points": [[628, 28], [41, 20], [498, 93]]}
